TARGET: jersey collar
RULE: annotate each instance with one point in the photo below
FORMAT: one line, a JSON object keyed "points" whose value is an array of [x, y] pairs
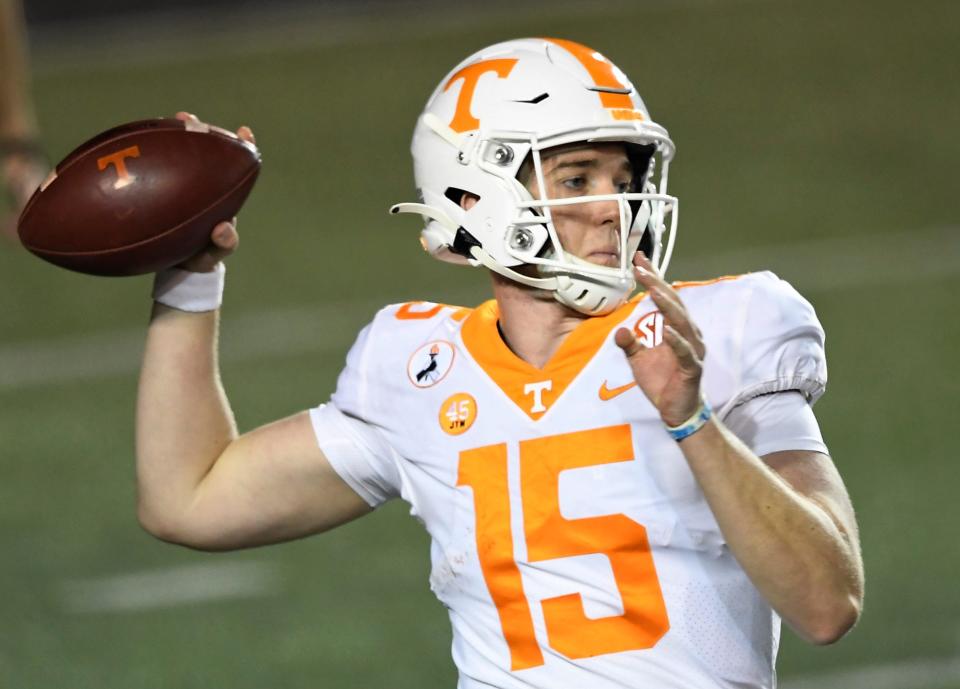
{"points": [[534, 390]]}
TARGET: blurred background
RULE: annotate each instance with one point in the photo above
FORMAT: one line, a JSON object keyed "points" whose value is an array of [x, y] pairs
{"points": [[815, 138]]}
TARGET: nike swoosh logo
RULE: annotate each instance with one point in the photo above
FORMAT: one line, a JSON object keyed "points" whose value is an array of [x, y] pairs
{"points": [[609, 393]]}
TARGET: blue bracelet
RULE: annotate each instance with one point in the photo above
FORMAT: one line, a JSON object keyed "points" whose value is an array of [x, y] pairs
{"points": [[694, 423]]}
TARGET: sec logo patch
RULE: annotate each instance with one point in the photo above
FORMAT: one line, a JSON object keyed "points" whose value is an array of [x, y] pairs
{"points": [[431, 363], [457, 413], [649, 329]]}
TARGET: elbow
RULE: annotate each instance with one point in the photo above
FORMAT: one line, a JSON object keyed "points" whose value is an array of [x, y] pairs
{"points": [[160, 525], [154, 523], [164, 528], [831, 623]]}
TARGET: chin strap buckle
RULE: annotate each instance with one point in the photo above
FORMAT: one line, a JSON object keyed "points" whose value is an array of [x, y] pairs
{"points": [[464, 243]]}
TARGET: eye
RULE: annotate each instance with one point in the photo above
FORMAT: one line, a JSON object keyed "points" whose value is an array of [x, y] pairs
{"points": [[624, 187], [577, 183]]}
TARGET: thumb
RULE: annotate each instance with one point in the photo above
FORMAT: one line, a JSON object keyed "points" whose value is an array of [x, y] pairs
{"points": [[628, 342], [223, 242]]}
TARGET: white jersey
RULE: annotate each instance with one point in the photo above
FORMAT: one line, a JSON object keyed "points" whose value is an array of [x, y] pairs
{"points": [[570, 541]]}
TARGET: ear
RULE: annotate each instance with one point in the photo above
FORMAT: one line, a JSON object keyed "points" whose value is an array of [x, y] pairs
{"points": [[468, 200]]}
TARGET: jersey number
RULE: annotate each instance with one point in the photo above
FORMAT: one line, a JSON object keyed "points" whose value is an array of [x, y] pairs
{"points": [[549, 535]]}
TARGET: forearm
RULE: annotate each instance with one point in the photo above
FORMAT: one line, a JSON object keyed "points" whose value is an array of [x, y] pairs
{"points": [[16, 114], [184, 422], [792, 548]]}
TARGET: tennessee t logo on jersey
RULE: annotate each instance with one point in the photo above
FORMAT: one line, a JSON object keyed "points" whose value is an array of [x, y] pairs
{"points": [[537, 390]]}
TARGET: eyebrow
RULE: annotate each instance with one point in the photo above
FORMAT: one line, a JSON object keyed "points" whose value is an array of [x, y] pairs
{"points": [[586, 163]]}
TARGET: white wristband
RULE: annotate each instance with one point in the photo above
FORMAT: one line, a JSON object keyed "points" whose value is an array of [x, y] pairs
{"points": [[188, 291]]}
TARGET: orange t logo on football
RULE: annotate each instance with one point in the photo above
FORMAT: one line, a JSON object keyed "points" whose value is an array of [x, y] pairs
{"points": [[463, 120], [118, 160]]}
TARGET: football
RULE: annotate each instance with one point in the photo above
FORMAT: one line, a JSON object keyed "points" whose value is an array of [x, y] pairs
{"points": [[140, 197]]}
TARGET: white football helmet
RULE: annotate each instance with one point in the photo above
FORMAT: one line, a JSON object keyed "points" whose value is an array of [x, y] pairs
{"points": [[510, 102]]}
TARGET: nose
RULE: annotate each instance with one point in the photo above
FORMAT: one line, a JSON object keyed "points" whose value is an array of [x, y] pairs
{"points": [[605, 213]]}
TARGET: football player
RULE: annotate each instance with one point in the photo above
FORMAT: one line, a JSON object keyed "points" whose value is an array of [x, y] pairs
{"points": [[622, 490], [23, 164]]}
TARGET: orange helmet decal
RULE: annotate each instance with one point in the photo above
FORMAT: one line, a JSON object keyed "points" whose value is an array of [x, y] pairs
{"points": [[601, 70], [463, 119]]}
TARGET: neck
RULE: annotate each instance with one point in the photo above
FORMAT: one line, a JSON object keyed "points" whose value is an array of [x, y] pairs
{"points": [[532, 323]]}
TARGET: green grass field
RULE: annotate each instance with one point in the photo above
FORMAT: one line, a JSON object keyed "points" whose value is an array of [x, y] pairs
{"points": [[815, 138]]}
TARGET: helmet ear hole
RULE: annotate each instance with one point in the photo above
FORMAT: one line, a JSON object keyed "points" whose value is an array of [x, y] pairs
{"points": [[457, 195]]}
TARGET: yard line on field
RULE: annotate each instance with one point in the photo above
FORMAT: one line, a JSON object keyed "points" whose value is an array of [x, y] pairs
{"points": [[909, 674], [821, 266], [172, 586], [244, 336], [831, 264]]}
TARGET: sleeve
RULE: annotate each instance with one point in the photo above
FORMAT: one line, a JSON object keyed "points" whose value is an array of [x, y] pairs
{"points": [[780, 346], [356, 448], [358, 453], [777, 422]]}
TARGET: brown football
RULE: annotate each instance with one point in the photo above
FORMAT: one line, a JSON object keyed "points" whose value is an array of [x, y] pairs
{"points": [[139, 197]]}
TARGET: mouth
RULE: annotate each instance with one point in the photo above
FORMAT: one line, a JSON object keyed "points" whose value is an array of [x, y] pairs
{"points": [[604, 257]]}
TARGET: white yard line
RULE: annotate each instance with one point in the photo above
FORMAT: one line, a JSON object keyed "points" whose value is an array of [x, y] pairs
{"points": [[815, 267], [172, 586], [826, 265], [908, 674]]}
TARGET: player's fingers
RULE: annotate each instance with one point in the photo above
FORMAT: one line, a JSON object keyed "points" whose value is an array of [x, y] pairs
{"points": [[246, 134], [632, 346], [224, 240], [645, 273], [689, 362], [675, 314], [668, 301], [672, 309], [186, 116], [225, 237], [627, 341]]}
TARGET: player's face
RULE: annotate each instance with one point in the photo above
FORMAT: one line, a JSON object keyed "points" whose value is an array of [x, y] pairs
{"points": [[590, 231]]}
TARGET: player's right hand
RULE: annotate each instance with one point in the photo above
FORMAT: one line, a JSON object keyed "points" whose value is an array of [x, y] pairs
{"points": [[224, 238]]}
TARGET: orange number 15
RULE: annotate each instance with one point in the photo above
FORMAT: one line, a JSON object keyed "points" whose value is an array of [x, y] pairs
{"points": [[549, 536]]}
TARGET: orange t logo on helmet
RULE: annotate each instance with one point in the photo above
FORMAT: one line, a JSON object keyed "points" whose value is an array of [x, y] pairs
{"points": [[615, 95], [463, 119]]}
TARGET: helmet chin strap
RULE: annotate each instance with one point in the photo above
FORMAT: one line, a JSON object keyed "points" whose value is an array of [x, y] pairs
{"points": [[588, 296], [580, 294], [592, 296], [488, 261]]}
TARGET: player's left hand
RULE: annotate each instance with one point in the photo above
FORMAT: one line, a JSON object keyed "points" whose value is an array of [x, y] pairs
{"points": [[669, 373], [20, 174]]}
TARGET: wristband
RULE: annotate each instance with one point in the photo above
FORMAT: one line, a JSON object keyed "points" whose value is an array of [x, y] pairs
{"points": [[185, 290], [694, 423]]}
